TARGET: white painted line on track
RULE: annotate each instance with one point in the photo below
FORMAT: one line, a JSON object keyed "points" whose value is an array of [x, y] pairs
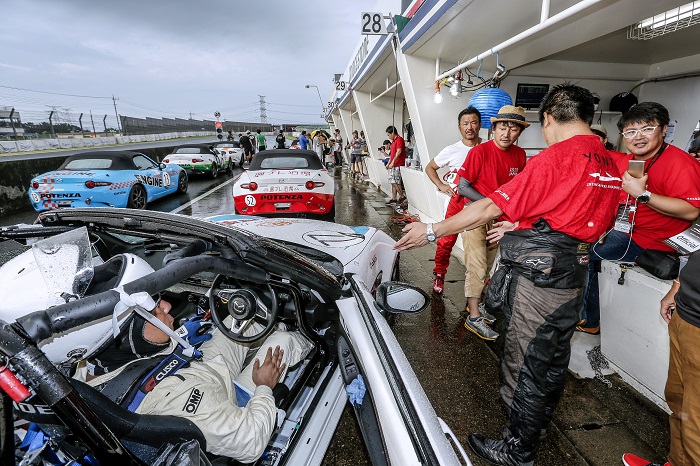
{"points": [[202, 196]]}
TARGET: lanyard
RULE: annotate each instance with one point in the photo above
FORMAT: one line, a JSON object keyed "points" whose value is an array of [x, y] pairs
{"points": [[656, 157]]}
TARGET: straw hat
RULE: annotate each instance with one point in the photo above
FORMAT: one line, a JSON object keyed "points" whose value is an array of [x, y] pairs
{"points": [[511, 113]]}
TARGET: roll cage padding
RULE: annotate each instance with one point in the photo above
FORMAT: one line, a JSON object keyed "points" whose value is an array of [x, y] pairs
{"points": [[41, 325]]}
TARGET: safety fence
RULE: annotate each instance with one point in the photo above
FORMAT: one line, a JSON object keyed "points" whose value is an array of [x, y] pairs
{"points": [[31, 145]]}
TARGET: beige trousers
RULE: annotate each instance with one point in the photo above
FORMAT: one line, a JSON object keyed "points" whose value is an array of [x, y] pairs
{"points": [[478, 259]]}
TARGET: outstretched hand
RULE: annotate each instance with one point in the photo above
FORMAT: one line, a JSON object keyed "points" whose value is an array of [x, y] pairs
{"points": [[495, 234], [271, 369], [416, 236]]}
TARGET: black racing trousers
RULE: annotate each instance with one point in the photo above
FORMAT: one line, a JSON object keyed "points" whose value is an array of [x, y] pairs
{"points": [[538, 326]]}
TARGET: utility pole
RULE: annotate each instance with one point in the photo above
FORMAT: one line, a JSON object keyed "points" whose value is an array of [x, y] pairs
{"points": [[53, 133], [12, 123], [114, 101], [80, 120], [263, 110], [104, 123], [93, 124]]}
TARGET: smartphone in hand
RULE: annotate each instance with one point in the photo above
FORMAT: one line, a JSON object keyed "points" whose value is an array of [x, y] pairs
{"points": [[636, 168]]}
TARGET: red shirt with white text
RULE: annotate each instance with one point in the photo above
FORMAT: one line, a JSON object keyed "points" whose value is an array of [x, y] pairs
{"points": [[489, 167]]}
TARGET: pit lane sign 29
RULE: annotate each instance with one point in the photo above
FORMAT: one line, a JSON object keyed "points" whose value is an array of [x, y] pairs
{"points": [[373, 24]]}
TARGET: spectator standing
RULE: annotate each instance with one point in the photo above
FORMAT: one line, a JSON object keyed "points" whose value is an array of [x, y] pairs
{"points": [[338, 148], [247, 144], [660, 204], [303, 141], [355, 153], [488, 166], [260, 139], [452, 156], [280, 139], [397, 159], [540, 277]]}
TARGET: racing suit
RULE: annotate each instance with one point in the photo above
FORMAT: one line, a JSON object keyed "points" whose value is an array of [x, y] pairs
{"points": [[204, 393], [539, 285]]}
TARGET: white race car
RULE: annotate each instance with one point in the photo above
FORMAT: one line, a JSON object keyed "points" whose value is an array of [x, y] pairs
{"points": [[287, 182], [200, 158], [230, 150], [332, 283]]}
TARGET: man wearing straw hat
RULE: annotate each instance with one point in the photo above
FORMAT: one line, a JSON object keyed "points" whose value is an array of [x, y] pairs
{"points": [[489, 165], [562, 203]]}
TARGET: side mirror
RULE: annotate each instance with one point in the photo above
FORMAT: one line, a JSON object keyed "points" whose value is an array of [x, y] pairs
{"points": [[401, 298], [161, 166]]}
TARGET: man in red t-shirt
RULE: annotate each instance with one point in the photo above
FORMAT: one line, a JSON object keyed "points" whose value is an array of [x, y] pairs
{"points": [[397, 159], [489, 165], [564, 199], [666, 197]]}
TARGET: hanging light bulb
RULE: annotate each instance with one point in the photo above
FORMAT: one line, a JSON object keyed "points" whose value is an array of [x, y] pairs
{"points": [[437, 98], [456, 87]]}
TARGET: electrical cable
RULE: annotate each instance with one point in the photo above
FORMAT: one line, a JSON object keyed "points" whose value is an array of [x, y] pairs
{"points": [[54, 93]]}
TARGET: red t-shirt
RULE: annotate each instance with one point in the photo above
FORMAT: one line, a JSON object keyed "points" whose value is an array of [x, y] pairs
{"points": [[487, 167], [674, 174], [574, 185], [397, 143]]}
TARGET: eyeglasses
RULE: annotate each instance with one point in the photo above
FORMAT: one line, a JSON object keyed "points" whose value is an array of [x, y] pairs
{"points": [[632, 133]]}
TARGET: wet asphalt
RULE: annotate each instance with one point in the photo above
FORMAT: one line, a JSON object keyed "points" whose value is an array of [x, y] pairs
{"points": [[593, 425]]}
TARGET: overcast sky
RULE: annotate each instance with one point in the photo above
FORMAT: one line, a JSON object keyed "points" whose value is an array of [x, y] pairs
{"points": [[167, 58]]}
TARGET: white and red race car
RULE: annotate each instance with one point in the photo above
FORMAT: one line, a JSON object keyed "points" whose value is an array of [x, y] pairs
{"points": [[286, 182]]}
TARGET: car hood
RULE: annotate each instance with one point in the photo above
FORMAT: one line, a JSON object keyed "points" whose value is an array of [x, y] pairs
{"points": [[340, 241]]}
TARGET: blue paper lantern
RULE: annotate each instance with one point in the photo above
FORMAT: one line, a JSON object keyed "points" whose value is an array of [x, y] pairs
{"points": [[489, 101]]}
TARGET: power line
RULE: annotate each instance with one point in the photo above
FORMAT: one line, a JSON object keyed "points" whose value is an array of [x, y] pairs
{"points": [[55, 93]]}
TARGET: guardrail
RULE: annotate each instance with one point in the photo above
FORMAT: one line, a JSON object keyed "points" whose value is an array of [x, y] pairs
{"points": [[32, 145]]}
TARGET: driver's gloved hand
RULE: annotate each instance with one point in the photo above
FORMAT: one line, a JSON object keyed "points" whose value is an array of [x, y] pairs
{"points": [[196, 330]]}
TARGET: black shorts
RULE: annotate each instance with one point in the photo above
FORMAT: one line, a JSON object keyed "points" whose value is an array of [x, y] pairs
{"points": [[248, 151]]}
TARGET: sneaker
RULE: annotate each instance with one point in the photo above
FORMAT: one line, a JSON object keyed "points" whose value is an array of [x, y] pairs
{"points": [[480, 328], [589, 330], [488, 317], [628, 459], [439, 283], [390, 202], [496, 451]]}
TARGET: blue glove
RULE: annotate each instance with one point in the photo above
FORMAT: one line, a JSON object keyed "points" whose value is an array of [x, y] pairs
{"points": [[197, 331]]}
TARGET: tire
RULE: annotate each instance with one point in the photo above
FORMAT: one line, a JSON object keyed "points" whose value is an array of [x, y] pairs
{"points": [[182, 183], [137, 198], [330, 216], [229, 168], [214, 170]]}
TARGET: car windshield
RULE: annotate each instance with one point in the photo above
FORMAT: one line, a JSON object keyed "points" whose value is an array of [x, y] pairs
{"points": [[189, 150], [89, 164], [284, 162]]}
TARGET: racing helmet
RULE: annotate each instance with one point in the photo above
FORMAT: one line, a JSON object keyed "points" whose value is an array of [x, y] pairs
{"points": [[23, 273]]}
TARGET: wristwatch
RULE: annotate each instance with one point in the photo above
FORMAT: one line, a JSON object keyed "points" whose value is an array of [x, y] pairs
{"points": [[430, 234], [644, 198]]}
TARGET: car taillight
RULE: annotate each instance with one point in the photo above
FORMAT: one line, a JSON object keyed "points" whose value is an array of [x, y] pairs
{"points": [[230, 152], [35, 184], [92, 184], [314, 184], [166, 161], [252, 186], [197, 160]]}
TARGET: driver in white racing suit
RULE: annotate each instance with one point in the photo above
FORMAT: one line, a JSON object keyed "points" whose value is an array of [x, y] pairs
{"points": [[204, 392]]}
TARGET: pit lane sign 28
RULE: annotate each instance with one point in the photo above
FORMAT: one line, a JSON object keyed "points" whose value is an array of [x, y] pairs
{"points": [[373, 24]]}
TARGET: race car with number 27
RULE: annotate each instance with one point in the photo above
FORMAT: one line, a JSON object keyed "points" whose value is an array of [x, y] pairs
{"points": [[288, 183], [106, 179]]}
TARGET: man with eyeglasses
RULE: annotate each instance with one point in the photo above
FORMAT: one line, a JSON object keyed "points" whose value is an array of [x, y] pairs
{"points": [[660, 204]]}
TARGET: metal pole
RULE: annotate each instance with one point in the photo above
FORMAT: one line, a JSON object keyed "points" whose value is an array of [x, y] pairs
{"points": [[114, 101], [80, 120], [53, 133], [12, 123], [104, 123], [93, 124]]}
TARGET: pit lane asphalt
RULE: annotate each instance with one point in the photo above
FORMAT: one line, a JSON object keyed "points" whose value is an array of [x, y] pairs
{"points": [[593, 424]]}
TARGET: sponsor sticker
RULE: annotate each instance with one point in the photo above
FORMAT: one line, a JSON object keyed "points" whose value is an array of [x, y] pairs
{"points": [[333, 239], [193, 401]]}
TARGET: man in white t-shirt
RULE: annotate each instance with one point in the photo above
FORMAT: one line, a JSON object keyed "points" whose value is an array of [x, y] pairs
{"points": [[452, 156]]}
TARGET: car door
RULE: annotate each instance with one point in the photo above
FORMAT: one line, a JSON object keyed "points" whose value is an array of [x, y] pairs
{"points": [[153, 179], [396, 419]]}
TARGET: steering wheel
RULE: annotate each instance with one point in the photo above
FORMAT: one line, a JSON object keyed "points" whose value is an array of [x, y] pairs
{"points": [[244, 307]]}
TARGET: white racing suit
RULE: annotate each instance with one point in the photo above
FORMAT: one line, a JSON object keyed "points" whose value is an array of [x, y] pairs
{"points": [[204, 393]]}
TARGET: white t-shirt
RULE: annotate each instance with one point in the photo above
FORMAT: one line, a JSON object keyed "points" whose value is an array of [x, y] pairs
{"points": [[452, 156]]}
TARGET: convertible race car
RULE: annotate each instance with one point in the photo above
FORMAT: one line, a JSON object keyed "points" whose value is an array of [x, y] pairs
{"points": [[230, 150], [106, 179], [287, 182], [200, 158], [332, 283]]}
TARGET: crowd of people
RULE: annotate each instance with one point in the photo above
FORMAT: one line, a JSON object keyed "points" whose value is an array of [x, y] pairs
{"points": [[550, 222]]}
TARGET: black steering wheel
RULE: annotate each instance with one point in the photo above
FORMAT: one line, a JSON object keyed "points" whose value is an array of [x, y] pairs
{"points": [[244, 306]]}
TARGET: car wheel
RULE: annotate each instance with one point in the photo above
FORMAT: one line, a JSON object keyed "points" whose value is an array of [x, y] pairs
{"points": [[182, 183], [137, 198], [229, 167], [214, 170], [330, 216]]}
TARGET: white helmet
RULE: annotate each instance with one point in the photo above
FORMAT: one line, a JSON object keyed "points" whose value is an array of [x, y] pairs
{"points": [[23, 273]]}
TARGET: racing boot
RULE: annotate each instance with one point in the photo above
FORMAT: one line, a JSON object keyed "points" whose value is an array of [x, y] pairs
{"points": [[501, 452], [439, 283]]}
